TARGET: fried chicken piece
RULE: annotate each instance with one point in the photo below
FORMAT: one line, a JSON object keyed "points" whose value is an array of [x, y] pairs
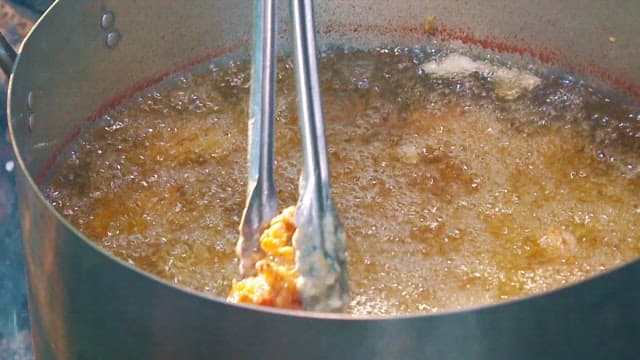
{"points": [[276, 282], [559, 242]]}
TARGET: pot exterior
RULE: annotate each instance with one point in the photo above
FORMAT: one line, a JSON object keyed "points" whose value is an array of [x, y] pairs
{"points": [[85, 304]]}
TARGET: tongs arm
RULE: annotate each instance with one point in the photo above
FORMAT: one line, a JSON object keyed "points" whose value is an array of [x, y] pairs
{"points": [[262, 200], [319, 239]]}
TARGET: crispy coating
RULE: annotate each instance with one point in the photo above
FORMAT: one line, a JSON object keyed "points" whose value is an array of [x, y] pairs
{"points": [[276, 281]]}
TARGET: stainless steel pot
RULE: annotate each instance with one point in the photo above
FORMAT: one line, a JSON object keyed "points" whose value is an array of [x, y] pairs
{"points": [[85, 56]]}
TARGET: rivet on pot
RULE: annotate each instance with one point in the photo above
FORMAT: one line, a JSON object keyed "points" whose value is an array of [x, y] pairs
{"points": [[30, 100], [31, 119], [113, 37], [107, 20]]}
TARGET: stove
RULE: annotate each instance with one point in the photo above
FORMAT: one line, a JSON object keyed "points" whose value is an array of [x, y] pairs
{"points": [[16, 19]]}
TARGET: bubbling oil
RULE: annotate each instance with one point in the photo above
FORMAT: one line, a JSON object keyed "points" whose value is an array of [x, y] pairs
{"points": [[450, 196]]}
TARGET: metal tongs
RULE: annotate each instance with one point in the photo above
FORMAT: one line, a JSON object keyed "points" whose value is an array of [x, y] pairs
{"points": [[319, 239]]}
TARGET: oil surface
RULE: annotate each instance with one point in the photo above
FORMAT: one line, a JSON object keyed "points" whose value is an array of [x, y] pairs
{"points": [[450, 195]]}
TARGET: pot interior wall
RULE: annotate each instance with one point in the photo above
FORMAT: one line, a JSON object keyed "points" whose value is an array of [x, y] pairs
{"points": [[73, 75]]}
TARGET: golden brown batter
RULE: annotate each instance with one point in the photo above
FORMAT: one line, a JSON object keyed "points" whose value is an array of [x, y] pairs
{"points": [[275, 283]]}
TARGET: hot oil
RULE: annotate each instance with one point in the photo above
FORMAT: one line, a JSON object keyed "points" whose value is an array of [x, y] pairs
{"points": [[450, 195]]}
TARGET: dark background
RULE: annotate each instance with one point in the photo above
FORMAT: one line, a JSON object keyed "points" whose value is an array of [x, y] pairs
{"points": [[16, 19]]}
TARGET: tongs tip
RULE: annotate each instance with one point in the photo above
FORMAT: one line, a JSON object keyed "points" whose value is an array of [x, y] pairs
{"points": [[320, 254]]}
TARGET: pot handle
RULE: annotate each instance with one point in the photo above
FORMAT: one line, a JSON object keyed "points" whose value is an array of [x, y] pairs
{"points": [[7, 56]]}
